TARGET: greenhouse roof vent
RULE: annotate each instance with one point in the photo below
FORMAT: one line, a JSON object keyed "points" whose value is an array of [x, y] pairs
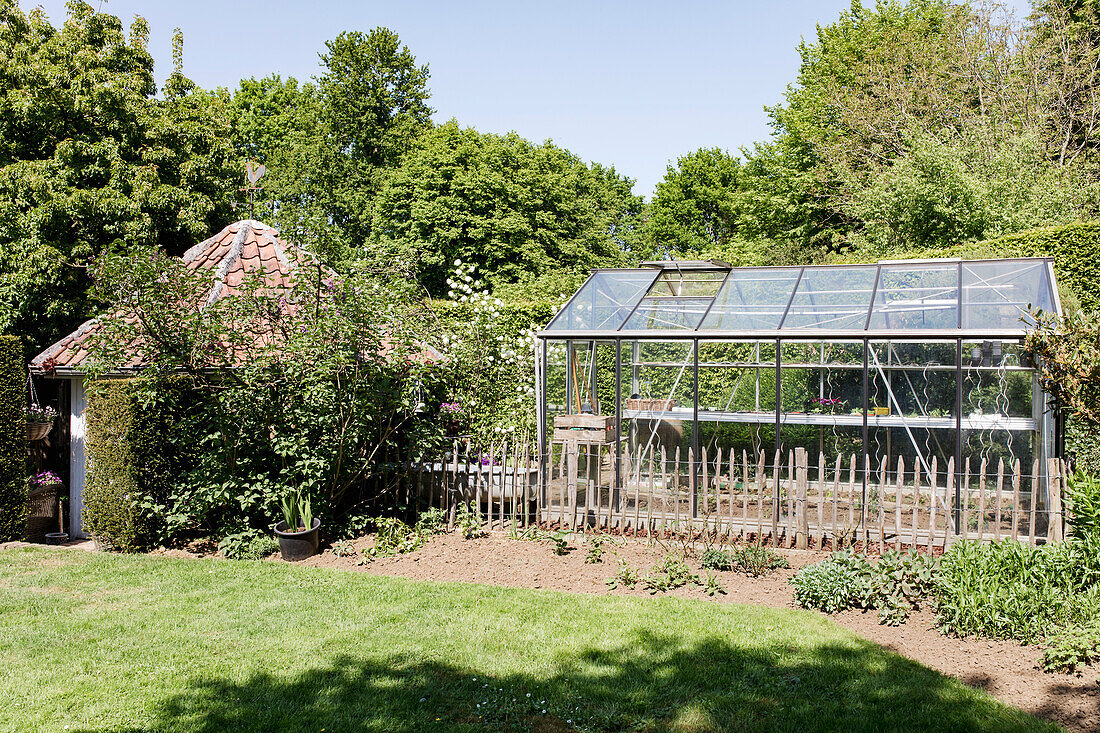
{"points": [[688, 264]]}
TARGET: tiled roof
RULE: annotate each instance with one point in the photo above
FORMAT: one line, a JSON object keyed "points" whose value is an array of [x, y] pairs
{"points": [[242, 247]]}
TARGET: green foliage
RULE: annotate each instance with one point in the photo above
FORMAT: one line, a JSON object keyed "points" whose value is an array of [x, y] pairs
{"points": [[595, 551], [625, 576], [469, 523], [1069, 368], [113, 489], [13, 440], [1067, 649], [330, 145], [758, 560], [711, 586], [1009, 590], [671, 572], [1082, 500], [395, 537], [305, 401], [88, 155], [516, 210], [895, 586], [251, 544], [717, 559], [392, 537]]}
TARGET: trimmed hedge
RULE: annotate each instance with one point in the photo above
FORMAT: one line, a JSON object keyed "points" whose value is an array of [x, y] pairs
{"points": [[1075, 249], [131, 464], [13, 440]]}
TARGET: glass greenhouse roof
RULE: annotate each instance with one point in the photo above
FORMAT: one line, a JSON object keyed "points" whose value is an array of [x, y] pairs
{"points": [[916, 296]]}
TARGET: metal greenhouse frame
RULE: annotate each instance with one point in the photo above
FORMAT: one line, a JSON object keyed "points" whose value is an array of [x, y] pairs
{"points": [[917, 361]]}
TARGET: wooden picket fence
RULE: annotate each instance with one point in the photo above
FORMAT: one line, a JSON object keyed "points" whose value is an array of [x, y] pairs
{"points": [[785, 498]]}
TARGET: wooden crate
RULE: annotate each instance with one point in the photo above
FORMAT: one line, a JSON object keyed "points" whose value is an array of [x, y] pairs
{"points": [[588, 429]]}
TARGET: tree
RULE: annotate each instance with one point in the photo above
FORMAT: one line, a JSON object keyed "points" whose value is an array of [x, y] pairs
{"points": [[329, 145], [516, 210], [88, 156]]}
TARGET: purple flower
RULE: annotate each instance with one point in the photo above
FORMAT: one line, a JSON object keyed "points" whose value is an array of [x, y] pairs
{"points": [[450, 408]]}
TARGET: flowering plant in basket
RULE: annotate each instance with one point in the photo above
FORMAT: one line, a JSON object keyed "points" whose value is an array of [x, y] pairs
{"points": [[38, 414], [42, 478]]}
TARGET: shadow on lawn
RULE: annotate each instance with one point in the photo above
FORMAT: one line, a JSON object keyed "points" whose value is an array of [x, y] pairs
{"points": [[654, 684]]}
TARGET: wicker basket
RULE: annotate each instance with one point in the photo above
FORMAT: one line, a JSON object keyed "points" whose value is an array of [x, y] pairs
{"points": [[38, 430], [42, 517]]}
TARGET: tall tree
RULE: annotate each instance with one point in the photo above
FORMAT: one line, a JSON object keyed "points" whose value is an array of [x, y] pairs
{"points": [[516, 210], [88, 156], [330, 144]]}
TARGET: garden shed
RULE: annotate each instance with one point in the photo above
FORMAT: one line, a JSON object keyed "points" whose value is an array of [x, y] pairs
{"points": [[892, 398], [238, 251]]}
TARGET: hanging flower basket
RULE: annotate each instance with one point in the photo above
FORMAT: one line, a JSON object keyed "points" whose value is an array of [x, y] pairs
{"points": [[40, 422]]}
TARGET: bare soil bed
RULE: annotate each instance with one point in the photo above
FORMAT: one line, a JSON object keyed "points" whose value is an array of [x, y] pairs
{"points": [[1005, 669]]}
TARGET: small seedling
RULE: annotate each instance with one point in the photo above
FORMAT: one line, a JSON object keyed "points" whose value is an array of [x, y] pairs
{"points": [[626, 576], [595, 551], [561, 542], [711, 586]]}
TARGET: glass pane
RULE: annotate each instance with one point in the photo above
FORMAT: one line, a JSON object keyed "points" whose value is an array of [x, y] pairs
{"points": [[668, 313], [687, 284], [917, 297], [998, 295], [604, 302], [752, 299], [832, 298]]}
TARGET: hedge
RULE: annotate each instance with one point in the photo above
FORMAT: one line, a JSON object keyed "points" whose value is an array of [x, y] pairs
{"points": [[131, 463], [13, 440], [1074, 248]]}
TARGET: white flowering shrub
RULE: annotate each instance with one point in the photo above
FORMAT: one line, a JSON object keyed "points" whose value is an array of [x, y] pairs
{"points": [[490, 347]]}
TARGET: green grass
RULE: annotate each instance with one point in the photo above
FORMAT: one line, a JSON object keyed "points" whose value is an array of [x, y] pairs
{"points": [[130, 643]]}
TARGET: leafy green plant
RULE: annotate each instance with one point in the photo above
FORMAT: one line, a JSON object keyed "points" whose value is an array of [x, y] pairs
{"points": [[711, 586], [1082, 498], [717, 559], [393, 537], [343, 548], [468, 522], [251, 544], [560, 541], [625, 576], [758, 560], [595, 551], [895, 586], [1009, 590], [1067, 649], [431, 522], [671, 572]]}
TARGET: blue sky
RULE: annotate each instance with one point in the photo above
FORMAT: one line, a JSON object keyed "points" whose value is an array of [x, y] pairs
{"points": [[629, 84]]}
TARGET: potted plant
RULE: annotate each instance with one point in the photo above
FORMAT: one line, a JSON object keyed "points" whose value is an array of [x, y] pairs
{"points": [[39, 421], [299, 532]]}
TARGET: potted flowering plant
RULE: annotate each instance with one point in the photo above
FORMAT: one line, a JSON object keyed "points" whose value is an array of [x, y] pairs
{"points": [[43, 515], [39, 421], [826, 405], [299, 532]]}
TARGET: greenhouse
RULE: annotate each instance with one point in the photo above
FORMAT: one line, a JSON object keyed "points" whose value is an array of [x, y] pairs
{"points": [[677, 384]]}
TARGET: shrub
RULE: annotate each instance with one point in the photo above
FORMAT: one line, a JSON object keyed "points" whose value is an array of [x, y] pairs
{"points": [[1070, 648], [717, 559], [250, 544], [757, 560], [112, 493], [896, 586], [13, 440], [1009, 590], [1083, 515], [836, 584]]}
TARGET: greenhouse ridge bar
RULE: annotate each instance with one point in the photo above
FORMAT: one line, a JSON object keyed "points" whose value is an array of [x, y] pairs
{"points": [[916, 362]]}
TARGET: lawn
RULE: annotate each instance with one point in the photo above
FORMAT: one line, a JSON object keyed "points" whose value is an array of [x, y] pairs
{"points": [[96, 642]]}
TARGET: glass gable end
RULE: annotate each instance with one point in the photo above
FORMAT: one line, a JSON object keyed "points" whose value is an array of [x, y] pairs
{"points": [[918, 296]]}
